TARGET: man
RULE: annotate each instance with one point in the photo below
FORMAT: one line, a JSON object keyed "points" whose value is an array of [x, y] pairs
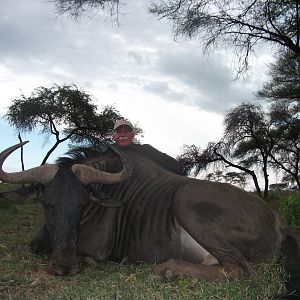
{"points": [[124, 135]]}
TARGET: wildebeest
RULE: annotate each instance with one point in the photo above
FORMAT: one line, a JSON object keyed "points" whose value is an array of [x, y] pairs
{"points": [[142, 212]]}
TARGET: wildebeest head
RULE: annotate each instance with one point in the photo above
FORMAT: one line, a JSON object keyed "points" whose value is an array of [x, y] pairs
{"points": [[64, 193]]}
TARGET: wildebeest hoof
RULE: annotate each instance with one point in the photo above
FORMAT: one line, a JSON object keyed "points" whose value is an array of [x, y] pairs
{"points": [[165, 271]]}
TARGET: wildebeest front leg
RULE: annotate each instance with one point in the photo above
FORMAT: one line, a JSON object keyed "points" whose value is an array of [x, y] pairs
{"points": [[177, 267]]}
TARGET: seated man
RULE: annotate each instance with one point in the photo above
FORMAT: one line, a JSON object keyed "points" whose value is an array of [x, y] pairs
{"points": [[124, 135]]}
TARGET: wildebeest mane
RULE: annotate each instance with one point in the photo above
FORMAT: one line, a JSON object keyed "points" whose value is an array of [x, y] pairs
{"points": [[78, 155]]}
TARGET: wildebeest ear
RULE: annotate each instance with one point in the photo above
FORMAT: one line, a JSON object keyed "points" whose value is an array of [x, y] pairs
{"points": [[106, 200], [21, 193]]}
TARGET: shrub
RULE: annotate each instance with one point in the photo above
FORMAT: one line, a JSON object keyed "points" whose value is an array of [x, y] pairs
{"points": [[289, 208]]}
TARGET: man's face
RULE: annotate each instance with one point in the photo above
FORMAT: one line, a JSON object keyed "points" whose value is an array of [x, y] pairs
{"points": [[123, 135]]}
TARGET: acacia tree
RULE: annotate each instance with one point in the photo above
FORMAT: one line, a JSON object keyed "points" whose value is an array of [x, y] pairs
{"points": [[284, 80], [246, 145], [239, 25], [286, 136], [282, 90], [216, 155], [250, 139], [254, 140], [65, 112]]}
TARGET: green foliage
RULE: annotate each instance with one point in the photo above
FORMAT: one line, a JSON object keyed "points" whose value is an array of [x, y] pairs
{"points": [[289, 208], [50, 107], [245, 145], [61, 111], [255, 141], [283, 91], [284, 82], [65, 112], [246, 135]]}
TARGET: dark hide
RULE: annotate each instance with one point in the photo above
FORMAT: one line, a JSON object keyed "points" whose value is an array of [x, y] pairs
{"points": [[160, 204], [234, 226], [188, 226], [64, 200]]}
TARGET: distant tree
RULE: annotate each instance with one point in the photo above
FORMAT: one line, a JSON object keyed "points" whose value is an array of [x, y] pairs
{"points": [[216, 176], [247, 138], [65, 112], [284, 82], [283, 92], [289, 182], [235, 178], [245, 145], [278, 186], [285, 132], [238, 25], [216, 155], [190, 160], [255, 140]]}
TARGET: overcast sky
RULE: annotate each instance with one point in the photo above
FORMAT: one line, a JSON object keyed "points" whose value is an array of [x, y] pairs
{"points": [[174, 93]]}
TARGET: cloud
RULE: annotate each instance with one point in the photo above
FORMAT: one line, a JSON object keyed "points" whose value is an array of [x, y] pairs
{"points": [[162, 88], [34, 41], [136, 57], [140, 53], [208, 81], [177, 95]]}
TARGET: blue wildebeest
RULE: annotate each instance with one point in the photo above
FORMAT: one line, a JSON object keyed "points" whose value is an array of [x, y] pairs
{"points": [[121, 205]]}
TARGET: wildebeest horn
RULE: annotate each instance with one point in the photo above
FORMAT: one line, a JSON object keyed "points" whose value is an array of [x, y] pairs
{"points": [[41, 174], [87, 174]]}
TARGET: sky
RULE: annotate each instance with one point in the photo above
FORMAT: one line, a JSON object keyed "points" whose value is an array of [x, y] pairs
{"points": [[169, 88]]}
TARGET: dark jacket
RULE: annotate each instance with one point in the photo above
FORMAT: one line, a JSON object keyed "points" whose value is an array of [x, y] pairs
{"points": [[163, 159]]}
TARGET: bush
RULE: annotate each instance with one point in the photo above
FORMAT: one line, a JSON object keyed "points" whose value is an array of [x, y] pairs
{"points": [[289, 208]]}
